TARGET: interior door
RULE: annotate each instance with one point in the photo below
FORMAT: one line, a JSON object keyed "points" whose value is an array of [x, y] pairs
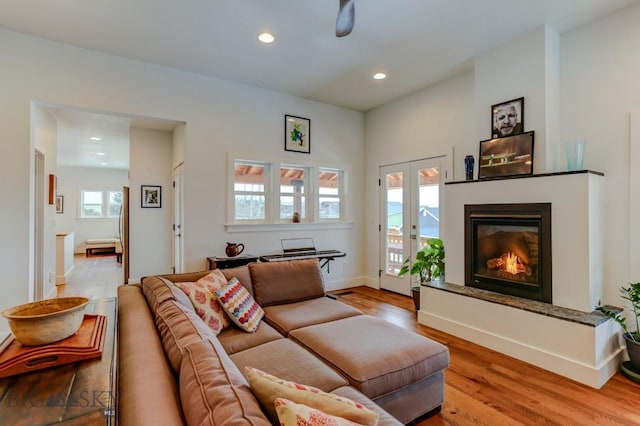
{"points": [[37, 292], [410, 215], [178, 206]]}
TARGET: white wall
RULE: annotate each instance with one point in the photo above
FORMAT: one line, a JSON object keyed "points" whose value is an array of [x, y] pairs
{"points": [[150, 235], [599, 83], [71, 180], [428, 123], [220, 116], [517, 69]]}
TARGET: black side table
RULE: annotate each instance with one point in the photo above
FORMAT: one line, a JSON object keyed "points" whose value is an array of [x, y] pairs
{"points": [[222, 262]]}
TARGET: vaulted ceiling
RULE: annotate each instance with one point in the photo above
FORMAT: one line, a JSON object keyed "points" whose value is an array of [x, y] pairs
{"points": [[415, 42]]}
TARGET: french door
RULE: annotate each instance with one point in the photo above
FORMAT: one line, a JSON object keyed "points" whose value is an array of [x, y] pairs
{"points": [[410, 215]]}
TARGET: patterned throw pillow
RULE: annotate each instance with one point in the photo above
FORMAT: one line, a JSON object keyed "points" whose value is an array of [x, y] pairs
{"points": [[292, 414], [268, 388], [240, 306], [202, 294]]}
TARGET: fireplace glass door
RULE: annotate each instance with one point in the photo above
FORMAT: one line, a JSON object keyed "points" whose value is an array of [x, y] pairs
{"points": [[508, 249]]}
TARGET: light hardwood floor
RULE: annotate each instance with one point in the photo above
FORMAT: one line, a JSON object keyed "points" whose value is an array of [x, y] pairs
{"points": [[95, 277], [482, 387]]}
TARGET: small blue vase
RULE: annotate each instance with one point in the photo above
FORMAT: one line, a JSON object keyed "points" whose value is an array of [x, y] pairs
{"points": [[469, 162]]}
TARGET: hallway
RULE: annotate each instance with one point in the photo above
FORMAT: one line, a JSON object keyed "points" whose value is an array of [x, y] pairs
{"points": [[95, 277]]}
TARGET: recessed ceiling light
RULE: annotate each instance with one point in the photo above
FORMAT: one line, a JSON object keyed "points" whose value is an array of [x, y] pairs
{"points": [[100, 153], [266, 37], [95, 138], [379, 75], [103, 164]]}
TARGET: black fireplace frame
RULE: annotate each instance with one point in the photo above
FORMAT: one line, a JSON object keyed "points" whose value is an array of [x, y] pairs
{"points": [[517, 214]]}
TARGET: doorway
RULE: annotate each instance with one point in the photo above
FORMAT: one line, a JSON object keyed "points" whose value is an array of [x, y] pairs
{"points": [[410, 215]]}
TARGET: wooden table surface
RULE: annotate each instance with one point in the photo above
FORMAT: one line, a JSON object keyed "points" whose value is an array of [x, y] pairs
{"points": [[82, 393]]}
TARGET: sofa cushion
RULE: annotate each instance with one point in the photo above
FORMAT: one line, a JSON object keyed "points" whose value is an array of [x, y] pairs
{"points": [[212, 390], [289, 361], [202, 294], [158, 289], [275, 283], [292, 414], [143, 398], [240, 306], [179, 327], [267, 388], [285, 318], [233, 339], [374, 365], [242, 274]]}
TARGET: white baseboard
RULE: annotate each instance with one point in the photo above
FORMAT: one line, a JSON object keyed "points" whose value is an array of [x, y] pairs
{"points": [[594, 376], [344, 284]]}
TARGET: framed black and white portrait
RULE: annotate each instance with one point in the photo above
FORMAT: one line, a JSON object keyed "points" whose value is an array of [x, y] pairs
{"points": [[151, 196], [507, 118]]}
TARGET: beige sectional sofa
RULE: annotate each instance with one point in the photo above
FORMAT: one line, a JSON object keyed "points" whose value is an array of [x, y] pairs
{"points": [[173, 369]]}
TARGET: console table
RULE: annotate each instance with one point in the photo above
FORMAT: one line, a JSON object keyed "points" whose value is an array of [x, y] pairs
{"points": [[221, 262], [82, 393]]}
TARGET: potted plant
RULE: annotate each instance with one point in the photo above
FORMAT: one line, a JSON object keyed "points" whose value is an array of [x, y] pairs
{"points": [[428, 265], [632, 338]]}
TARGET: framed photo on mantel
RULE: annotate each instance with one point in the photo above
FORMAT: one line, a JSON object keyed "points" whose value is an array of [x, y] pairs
{"points": [[507, 118], [508, 156]]}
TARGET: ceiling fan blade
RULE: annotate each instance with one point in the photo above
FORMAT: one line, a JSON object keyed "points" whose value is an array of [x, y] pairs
{"points": [[346, 18]]}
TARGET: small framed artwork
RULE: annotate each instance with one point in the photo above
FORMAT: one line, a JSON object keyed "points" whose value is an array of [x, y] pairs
{"points": [[297, 134], [151, 196], [507, 118], [53, 184], [59, 204], [507, 156]]}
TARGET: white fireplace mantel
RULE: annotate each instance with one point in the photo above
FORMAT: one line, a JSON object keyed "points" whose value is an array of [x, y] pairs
{"points": [[588, 353], [577, 220]]}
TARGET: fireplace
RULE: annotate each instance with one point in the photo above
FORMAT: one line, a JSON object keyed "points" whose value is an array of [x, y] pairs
{"points": [[508, 249]]}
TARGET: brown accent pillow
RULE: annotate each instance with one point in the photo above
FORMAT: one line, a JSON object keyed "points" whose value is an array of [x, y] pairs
{"points": [[275, 283]]}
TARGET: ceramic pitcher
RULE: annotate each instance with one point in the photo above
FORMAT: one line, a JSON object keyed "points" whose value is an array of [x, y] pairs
{"points": [[234, 249]]}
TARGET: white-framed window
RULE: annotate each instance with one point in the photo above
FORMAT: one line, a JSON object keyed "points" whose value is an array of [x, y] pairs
{"points": [[250, 191], [293, 190], [270, 192], [330, 194], [97, 204]]}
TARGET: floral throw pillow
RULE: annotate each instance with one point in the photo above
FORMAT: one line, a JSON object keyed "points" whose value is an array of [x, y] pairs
{"points": [[267, 388], [292, 414], [240, 305], [202, 294]]}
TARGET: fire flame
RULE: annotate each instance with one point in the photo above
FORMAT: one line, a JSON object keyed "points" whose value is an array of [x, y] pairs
{"points": [[511, 263]]}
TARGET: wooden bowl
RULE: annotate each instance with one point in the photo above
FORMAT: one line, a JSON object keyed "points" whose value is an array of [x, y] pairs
{"points": [[46, 321]]}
